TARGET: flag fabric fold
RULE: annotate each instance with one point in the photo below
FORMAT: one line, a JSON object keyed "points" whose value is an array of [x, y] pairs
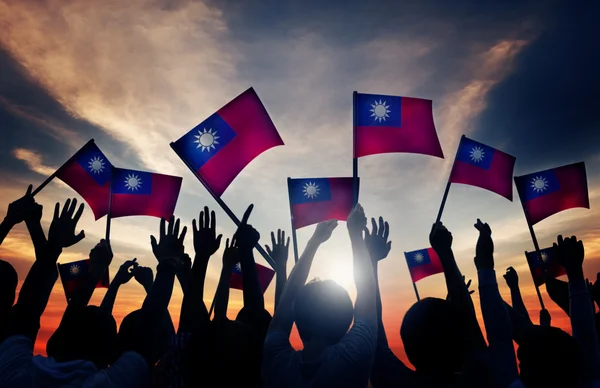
{"points": [[480, 165], [74, 275], [423, 263], [313, 200], [386, 124], [544, 262], [141, 193], [88, 172], [221, 146], [545, 193], [265, 275]]}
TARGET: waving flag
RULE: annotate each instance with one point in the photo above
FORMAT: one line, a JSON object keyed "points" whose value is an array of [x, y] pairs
{"points": [[313, 200], [545, 261], [88, 173], [140, 193], [548, 192], [74, 275], [219, 148], [394, 124], [265, 275], [423, 263], [477, 164]]}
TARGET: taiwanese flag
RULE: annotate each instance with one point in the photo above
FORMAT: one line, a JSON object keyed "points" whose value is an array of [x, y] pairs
{"points": [[548, 192], [219, 148], [140, 193], [74, 275], [477, 164], [423, 263], [394, 124], [545, 261], [265, 275], [88, 173], [313, 200]]}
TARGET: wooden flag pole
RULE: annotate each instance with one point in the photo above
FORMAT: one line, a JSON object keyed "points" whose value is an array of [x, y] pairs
{"points": [[445, 196], [225, 208], [108, 217], [416, 291], [51, 177], [535, 243], [294, 240], [354, 159]]}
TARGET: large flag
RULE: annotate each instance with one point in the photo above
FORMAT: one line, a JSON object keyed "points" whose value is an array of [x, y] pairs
{"points": [[423, 263], [394, 124], [313, 200], [548, 192], [219, 148], [265, 275], [140, 193], [88, 173], [545, 261], [74, 275], [477, 164]]}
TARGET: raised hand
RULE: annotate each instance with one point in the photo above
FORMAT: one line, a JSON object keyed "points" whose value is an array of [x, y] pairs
{"points": [[484, 251], [357, 221], [34, 214], [101, 255], [144, 276], [323, 231], [246, 236], [595, 289], [377, 240], [62, 229], [206, 241], [545, 318], [440, 238], [126, 272], [19, 209], [468, 285], [511, 277], [231, 256], [569, 252], [280, 248], [170, 244]]}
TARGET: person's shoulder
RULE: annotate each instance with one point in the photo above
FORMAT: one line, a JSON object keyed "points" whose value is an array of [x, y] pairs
{"points": [[17, 343], [362, 329]]}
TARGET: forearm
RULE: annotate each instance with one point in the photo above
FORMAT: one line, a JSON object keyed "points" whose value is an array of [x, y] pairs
{"points": [[280, 280], [199, 273], [222, 294], [193, 310], [5, 227], [558, 291], [109, 298], [253, 297], [38, 238], [382, 342], [159, 296], [364, 279], [518, 305]]}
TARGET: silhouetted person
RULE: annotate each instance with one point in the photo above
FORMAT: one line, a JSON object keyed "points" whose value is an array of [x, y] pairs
{"points": [[8, 290]]}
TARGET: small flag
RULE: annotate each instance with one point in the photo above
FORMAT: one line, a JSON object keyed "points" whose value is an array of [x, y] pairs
{"points": [[387, 124], [320, 199], [88, 173], [548, 192], [265, 275], [423, 263], [479, 165], [74, 275], [219, 148], [545, 261], [140, 193]]}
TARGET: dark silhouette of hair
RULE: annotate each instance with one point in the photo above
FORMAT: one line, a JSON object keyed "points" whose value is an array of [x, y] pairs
{"points": [[433, 337], [549, 357], [134, 334], [85, 333], [8, 286], [323, 309]]}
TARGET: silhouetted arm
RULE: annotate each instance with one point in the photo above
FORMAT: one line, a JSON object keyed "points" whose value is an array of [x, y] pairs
{"points": [[558, 291], [512, 280], [34, 226], [279, 253], [222, 294], [17, 212]]}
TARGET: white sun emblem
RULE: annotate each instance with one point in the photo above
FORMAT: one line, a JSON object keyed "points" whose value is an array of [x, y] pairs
{"points": [[238, 267], [544, 256], [311, 190], [379, 110], [539, 184], [419, 258], [96, 165], [74, 269], [477, 154], [206, 139], [133, 182]]}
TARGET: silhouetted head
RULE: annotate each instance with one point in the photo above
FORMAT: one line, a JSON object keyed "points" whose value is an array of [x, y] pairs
{"points": [[8, 286], [85, 333], [136, 334], [433, 337], [549, 357], [323, 310]]}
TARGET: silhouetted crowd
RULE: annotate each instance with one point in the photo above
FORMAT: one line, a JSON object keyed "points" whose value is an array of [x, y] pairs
{"points": [[344, 343]]}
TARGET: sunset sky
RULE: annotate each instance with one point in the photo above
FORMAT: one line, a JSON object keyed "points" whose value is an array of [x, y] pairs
{"points": [[136, 75]]}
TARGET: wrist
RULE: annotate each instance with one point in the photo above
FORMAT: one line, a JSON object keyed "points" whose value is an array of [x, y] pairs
{"points": [[9, 221], [574, 272]]}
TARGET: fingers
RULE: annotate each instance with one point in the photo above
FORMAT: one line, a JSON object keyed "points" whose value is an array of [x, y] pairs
{"points": [[170, 226], [373, 226], [469, 283], [247, 214], [194, 228], [201, 219], [560, 239], [206, 217], [56, 210], [213, 219], [219, 237], [183, 232], [162, 228], [29, 188], [153, 243], [175, 227], [72, 207], [79, 237], [386, 230], [269, 251], [79, 213], [287, 245], [227, 244], [65, 208], [273, 242], [381, 227]]}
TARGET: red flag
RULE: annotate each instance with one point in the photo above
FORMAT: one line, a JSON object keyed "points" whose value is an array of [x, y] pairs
{"points": [[265, 275]]}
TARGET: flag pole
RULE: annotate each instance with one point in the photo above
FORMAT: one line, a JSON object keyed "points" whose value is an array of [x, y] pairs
{"points": [[212, 305], [225, 208], [535, 243], [413, 283], [537, 289], [416, 291], [108, 217], [447, 191], [294, 239], [354, 159], [51, 177]]}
